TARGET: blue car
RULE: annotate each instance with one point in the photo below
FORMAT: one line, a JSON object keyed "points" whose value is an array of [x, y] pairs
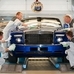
{"points": [[40, 39]]}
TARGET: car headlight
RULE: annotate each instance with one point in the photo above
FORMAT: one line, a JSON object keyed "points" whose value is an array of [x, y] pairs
{"points": [[59, 39], [40, 45], [18, 40]]}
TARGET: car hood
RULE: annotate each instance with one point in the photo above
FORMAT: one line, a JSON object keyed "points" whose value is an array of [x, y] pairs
{"points": [[42, 24]]}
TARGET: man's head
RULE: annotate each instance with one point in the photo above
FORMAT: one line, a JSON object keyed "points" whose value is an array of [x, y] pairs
{"points": [[19, 15], [69, 35], [67, 19], [1, 35]]}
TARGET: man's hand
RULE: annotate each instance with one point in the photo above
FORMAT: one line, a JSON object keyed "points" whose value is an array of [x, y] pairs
{"points": [[25, 25], [2, 41]]}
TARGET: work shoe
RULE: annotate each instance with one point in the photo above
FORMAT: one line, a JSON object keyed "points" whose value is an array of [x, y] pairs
{"points": [[72, 68], [12, 47]]}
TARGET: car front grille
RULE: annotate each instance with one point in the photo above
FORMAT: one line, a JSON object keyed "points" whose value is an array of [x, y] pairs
{"points": [[39, 38]]}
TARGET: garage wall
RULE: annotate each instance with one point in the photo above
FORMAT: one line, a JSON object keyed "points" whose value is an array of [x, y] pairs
{"points": [[12, 4], [73, 7], [53, 5], [55, 8], [49, 6], [8, 7]]}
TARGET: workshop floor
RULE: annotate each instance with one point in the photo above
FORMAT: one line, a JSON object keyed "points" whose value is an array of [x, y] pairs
{"points": [[41, 71]]}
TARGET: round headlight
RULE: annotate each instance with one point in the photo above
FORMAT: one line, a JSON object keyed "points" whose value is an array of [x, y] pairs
{"points": [[40, 45], [59, 39], [18, 40]]}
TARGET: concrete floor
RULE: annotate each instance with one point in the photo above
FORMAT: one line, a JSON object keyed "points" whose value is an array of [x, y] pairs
{"points": [[39, 72]]}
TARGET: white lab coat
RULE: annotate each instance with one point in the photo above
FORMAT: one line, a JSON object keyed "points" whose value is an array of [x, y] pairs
{"points": [[10, 27], [2, 60], [7, 31], [70, 53]]}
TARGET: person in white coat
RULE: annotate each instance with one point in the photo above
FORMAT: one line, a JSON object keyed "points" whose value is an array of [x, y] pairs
{"points": [[70, 51], [11, 26], [11, 48], [67, 21]]}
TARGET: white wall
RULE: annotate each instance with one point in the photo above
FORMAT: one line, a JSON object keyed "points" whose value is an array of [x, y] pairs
{"points": [[12, 4], [10, 7], [53, 4]]}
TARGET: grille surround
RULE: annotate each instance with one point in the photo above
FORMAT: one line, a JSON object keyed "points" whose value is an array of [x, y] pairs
{"points": [[39, 37]]}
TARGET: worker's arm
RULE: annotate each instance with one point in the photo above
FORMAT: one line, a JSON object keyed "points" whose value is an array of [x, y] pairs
{"points": [[3, 41], [24, 25], [11, 48], [19, 23], [65, 44], [9, 38], [3, 50]]}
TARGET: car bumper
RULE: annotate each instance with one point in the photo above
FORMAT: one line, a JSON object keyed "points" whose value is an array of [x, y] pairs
{"points": [[39, 51]]}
